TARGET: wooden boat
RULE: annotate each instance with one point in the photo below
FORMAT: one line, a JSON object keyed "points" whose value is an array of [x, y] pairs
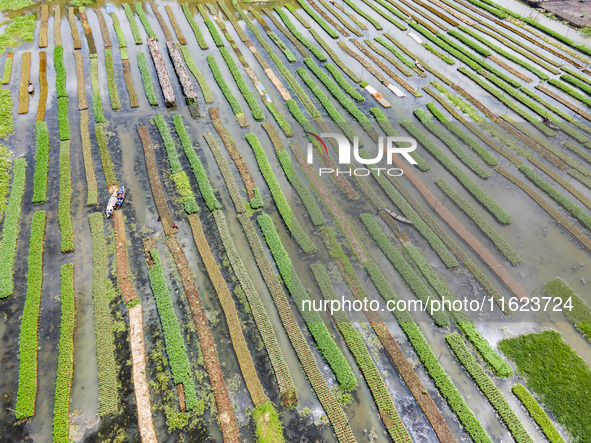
{"points": [[115, 201], [398, 217]]}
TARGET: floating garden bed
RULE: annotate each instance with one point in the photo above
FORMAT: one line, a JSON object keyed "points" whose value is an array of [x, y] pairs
{"points": [[147, 79], [580, 314], [91, 185], [135, 31], [537, 413], [298, 35], [139, 9], [29, 335], [233, 102], [194, 26], [64, 204], [41, 162]]}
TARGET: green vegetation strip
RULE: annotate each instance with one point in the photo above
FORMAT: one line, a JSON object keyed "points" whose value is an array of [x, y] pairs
{"points": [[62, 118], [557, 196], [173, 338], [210, 27], [502, 245], [139, 9], [537, 413], [194, 26], [97, 103], [29, 336], [179, 177], [431, 363], [326, 344], [8, 68], [21, 28], [580, 314], [103, 334], [298, 35], [283, 207], [197, 167], [111, 81], [147, 79], [5, 166], [439, 131], [250, 99], [329, 30], [65, 361], [133, 24], [570, 91], [356, 345], [64, 205], [554, 372], [101, 141], [219, 78], [197, 74], [118, 31], [470, 186], [469, 141], [41, 162], [488, 388], [60, 71]]}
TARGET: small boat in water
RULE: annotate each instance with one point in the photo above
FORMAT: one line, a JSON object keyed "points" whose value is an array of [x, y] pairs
{"points": [[396, 216], [30, 88], [115, 201]]}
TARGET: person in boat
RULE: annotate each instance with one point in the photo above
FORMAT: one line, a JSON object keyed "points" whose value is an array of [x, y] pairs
{"points": [[109, 212]]}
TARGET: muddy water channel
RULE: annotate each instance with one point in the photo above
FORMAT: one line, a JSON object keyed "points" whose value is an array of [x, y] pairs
{"points": [[546, 249]]}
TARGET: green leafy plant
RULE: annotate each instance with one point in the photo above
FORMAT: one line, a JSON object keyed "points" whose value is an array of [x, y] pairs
{"points": [[60, 71], [139, 9], [133, 24], [41, 162], [280, 119], [197, 74], [537, 413], [111, 81], [11, 228], [554, 372], [488, 388], [118, 31], [580, 314], [329, 30], [219, 78], [29, 336], [297, 34], [147, 79], [194, 26], [64, 208], [62, 117]]}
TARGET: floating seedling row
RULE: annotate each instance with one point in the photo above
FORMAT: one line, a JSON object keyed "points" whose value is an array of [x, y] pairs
{"points": [[228, 94], [274, 38], [194, 26], [91, 185], [488, 388], [64, 203], [580, 315], [173, 338], [502, 245], [179, 177], [250, 99], [7, 74], [135, 31], [208, 97], [11, 227], [65, 361], [243, 355], [224, 407], [339, 17], [139, 10], [41, 162], [439, 131], [328, 29], [29, 333], [285, 383], [291, 222], [537, 413], [103, 333], [500, 367], [368, 368], [167, 34], [324, 341], [177, 30], [74, 28], [210, 27]]}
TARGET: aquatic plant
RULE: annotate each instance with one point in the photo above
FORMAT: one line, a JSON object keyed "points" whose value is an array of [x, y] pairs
{"points": [[197, 74], [139, 9], [280, 119], [22, 27], [283, 207], [562, 368], [298, 35], [580, 314], [329, 30], [219, 78], [173, 338], [250, 99], [537, 413], [11, 228], [41, 162], [488, 388], [29, 335], [326, 344], [194, 26], [65, 362]]}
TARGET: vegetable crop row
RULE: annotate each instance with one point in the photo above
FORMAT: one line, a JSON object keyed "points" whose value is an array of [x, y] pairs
{"points": [[431, 363], [8, 68], [65, 361], [118, 31], [357, 347], [64, 208], [488, 388], [250, 99], [219, 78], [179, 177], [62, 118], [537, 413], [453, 146], [105, 346], [111, 82], [343, 83], [470, 186], [455, 130], [41, 162], [285, 211], [173, 338], [329, 30], [557, 196], [139, 9], [29, 335], [409, 276], [194, 26], [297, 34], [326, 344], [197, 74], [133, 24], [580, 314], [502, 245], [211, 27], [196, 166], [147, 79], [570, 91], [60, 71]]}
